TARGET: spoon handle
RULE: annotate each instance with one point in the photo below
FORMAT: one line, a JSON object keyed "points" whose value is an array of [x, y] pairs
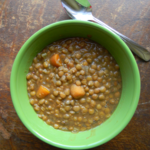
{"points": [[136, 48]]}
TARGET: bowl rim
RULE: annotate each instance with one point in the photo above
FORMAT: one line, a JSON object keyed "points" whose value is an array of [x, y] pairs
{"points": [[14, 70]]}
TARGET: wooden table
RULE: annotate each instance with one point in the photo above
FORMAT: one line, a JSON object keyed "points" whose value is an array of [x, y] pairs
{"points": [[19, 19]]}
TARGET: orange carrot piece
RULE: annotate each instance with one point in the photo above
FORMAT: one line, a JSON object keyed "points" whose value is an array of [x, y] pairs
{"points": [[55, 60], [77, 91], [42, 91]]}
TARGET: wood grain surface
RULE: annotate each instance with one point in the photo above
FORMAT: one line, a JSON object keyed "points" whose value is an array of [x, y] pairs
{"points": [[19, 19]]}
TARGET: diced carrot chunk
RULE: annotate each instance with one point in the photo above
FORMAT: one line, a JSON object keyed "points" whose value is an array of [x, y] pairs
{"points": [[77, 91], [42, 91], [55, 60]]}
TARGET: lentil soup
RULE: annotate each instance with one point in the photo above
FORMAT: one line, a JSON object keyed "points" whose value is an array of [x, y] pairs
{"points": [[74, 84]]}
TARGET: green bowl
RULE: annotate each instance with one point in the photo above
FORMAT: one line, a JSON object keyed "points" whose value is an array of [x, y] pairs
{"points": [[130, 85]]}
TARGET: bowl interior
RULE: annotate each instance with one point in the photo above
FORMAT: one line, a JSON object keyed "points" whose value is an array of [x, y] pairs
{"points": [[130, 82]]}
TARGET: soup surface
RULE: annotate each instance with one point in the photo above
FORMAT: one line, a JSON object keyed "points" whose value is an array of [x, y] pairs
{"points": [[74, 84]]}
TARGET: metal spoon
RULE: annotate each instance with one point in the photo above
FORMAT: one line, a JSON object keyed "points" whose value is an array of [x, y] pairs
{"points": [[77, 11]]}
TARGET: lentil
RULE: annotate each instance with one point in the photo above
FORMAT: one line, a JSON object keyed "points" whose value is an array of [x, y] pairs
{"points": [[93, 75]]}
